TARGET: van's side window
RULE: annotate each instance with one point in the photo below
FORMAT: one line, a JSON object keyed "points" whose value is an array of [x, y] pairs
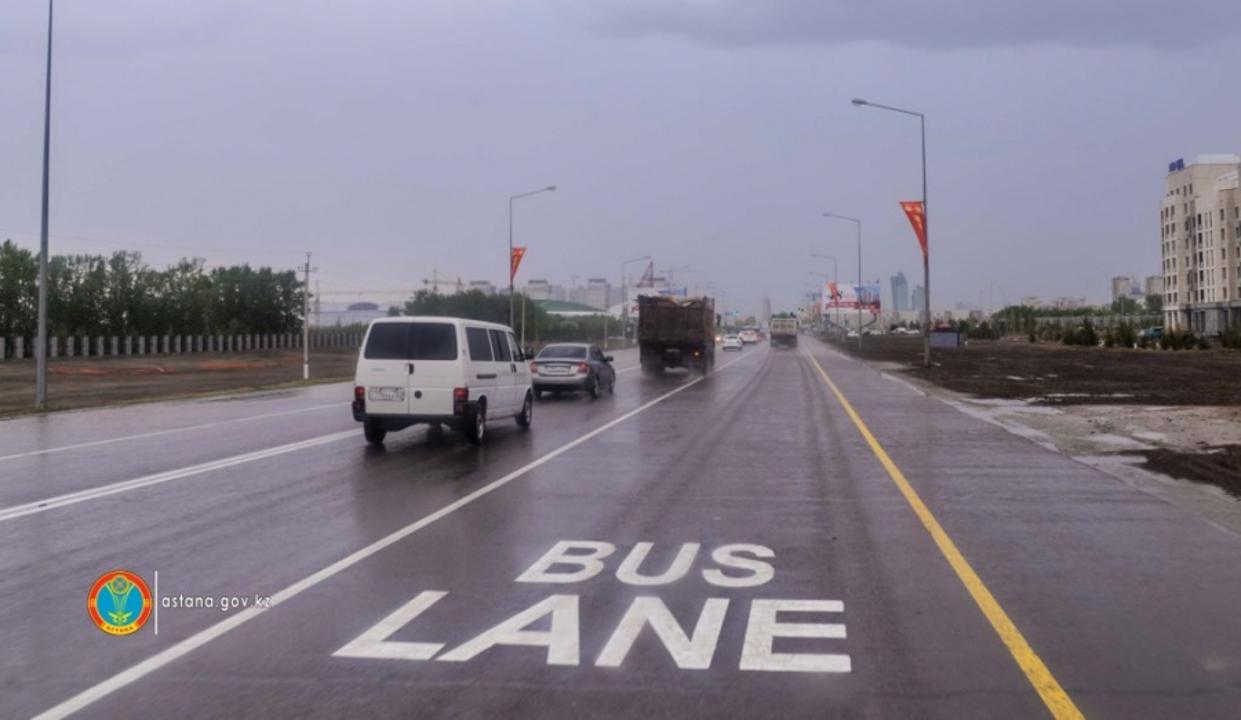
{"points": [[513, 346], [499, 345], [479, 343]]}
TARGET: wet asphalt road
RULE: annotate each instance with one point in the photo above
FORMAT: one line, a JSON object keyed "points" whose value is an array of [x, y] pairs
{"points": [[400, 574]]}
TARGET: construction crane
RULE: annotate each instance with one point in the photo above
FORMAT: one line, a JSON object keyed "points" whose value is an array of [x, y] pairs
{"points": [[434, 282]]}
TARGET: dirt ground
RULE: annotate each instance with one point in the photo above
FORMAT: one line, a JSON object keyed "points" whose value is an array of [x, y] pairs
{"points": [[89, 382], [1174, 414], [1054, 374]]}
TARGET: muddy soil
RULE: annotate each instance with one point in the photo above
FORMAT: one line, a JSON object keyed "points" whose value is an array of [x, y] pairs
{"points": [[1054, 374]]}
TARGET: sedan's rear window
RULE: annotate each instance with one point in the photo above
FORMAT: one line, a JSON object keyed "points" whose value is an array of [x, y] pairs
{"points": [[411, 341], [567, 352]]}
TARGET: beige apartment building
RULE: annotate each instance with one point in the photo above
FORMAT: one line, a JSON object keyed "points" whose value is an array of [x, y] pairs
{"points": [[1200, 244]]}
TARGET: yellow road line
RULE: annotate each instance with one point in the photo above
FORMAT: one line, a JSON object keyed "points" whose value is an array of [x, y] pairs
{"points": [[1054, 696]]}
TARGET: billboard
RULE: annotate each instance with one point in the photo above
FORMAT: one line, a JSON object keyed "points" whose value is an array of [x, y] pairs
{"points": [[851, 297]]}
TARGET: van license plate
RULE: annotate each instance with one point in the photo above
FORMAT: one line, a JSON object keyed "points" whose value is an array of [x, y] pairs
{"points": [[391, 394]]}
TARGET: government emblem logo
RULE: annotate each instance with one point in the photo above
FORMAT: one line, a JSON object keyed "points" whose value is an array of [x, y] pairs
{"points": [[119, 602]]}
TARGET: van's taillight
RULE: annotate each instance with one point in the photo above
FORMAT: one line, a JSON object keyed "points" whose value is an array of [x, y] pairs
{"points": [[359, 399], [583, 368], [460, 396]]}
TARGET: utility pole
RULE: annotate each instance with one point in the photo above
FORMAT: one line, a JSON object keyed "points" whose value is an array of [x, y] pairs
{"points": [[40, 351], [306, 318]]}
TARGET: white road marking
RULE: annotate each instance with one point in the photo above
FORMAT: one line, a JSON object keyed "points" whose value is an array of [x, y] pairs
{"points": [[764, 628], [59, 501], [689, 652], [202, 637], [157, 433]]}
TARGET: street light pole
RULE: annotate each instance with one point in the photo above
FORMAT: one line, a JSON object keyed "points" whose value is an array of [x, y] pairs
{"points": [[926, 229], [511, 274], [858, 223], [40, 353], [835, 278], [625, 297]]}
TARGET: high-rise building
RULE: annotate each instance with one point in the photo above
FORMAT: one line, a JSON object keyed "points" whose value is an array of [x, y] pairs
{"points": [[918, 299], [1200, 244], [538, 290], [1154, 285], [597, 290], [900, 292], [1122, 286]]}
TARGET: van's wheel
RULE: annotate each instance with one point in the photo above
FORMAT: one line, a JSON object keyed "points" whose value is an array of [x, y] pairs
{"points": [[476, 425], [594, 387], [374, 434], [527, 411]]}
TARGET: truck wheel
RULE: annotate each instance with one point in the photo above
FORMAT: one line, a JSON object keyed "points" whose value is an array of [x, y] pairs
{"points": [[374, 435], [476, 425], [527, 411]]}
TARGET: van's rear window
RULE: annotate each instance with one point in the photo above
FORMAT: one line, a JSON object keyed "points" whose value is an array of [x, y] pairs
{"points": [[411, 341]]}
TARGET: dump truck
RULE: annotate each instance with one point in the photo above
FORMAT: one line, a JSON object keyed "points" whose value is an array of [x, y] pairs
{"points": [[783, 331], [676, 332]]}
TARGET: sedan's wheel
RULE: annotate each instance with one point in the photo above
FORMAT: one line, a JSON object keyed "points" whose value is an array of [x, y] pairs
{"points": [[594, 387], [612, 386], [476, 425], [527, 411]]}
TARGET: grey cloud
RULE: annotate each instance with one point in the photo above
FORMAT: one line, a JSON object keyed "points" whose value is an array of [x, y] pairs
{"points": [[922, 24]]}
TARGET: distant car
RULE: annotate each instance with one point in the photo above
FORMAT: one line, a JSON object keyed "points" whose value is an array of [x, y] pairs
{"points": [[749, 336], [570, 367], [1152, 333], [732, 342], [851, 334]]}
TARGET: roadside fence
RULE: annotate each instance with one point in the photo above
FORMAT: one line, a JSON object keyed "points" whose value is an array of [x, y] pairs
{"points": [[84, 346]]}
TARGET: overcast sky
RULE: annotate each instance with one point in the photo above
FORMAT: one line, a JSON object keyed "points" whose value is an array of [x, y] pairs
{"points": [[387, 135]]}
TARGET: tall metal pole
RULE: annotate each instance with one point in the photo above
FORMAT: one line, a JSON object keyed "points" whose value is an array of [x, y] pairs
{"points": [[511, 274], [40, 352], [625, 297], [306, 321], [858, 298], [510, 262], [859, 284], [926, 261]]}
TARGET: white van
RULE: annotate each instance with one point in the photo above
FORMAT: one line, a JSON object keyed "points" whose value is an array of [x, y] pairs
{"points": [[439, 370]]}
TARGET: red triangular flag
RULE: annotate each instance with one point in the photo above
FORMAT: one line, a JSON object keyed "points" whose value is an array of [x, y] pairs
{"points": [[916, 213], [515, 261]]}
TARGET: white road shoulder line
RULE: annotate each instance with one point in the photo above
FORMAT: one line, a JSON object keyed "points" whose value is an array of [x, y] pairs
{"points": [[169, 431], [59, 501], [193, 642]]}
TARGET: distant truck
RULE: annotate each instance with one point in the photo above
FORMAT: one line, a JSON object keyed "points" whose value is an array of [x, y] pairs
{"points": [[783, 332], [676, 332]]}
